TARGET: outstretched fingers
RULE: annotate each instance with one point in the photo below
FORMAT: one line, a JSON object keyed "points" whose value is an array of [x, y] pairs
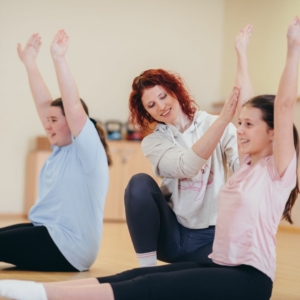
{"points": [[293, 34], [233, 97], [61, 37], [230, 105], [59, 44], [36, 41], [31, 49], [243, 38]]}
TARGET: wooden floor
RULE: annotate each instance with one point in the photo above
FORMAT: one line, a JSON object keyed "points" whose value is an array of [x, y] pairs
{"points": [[117, 254]]}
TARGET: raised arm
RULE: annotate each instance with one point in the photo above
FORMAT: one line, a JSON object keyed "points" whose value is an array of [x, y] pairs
{"points": [[241, 93], [242, 77], [205, 146], [39, 90], [285, 101], [75, 114]]}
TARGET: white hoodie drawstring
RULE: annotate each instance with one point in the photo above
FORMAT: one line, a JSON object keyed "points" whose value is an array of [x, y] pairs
{"points": [[172, 134]]}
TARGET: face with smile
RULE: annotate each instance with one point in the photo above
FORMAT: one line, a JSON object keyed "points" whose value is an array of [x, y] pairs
{"points": [[161, 105], [57, 128], [254, 135]]}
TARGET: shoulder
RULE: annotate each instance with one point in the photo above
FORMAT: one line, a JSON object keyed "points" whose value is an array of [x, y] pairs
{"points": [[201, 115], [88, 132], [289, 174], [161, 132], [203, 119], [155, 139], [230, 128]]}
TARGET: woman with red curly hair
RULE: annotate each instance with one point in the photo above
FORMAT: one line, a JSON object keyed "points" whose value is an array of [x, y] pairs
{"points": [[190, 150]]}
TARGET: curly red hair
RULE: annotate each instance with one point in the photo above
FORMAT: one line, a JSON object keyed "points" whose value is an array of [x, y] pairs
{"points": [[172, 83]]}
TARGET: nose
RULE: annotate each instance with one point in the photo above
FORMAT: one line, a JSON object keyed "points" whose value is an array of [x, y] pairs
{"points": [[161, 106], [48, 125], [239, 129]]}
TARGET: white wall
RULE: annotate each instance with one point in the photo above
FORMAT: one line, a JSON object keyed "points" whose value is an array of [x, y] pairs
{"points": [[112, 41]]}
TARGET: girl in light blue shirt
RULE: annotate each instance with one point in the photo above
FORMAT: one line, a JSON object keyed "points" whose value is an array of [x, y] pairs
{"points": [[66, 223]]}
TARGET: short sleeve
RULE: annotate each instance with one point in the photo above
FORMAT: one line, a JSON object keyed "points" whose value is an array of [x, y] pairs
{"points": [[89, 147], [288, 180]]}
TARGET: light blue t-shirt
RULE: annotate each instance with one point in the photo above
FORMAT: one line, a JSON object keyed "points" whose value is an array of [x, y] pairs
{"points": [[73, 184]]}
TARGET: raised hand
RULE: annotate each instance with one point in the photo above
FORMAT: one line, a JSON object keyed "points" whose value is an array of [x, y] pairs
{"points": [[293, 34], [230, 105], [74, 112], [29, 53], [59, 45], [285, 100], [243, 38], [242, 77]]}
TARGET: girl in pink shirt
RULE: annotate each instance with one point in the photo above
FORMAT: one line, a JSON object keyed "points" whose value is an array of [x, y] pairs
{"points": [[251, 205]]}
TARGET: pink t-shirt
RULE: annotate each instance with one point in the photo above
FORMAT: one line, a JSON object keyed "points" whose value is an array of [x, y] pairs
{"points": [[250, 208]]}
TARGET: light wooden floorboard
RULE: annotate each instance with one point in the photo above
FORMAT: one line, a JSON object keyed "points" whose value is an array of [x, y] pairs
{"points": [[117, 254]]}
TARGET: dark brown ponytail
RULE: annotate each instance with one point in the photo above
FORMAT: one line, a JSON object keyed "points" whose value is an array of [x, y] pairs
{"points": [[102, 135], [294, 193]]}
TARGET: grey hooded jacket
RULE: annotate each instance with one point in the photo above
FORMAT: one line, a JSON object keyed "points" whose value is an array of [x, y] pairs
{"points": [[192, 183]]}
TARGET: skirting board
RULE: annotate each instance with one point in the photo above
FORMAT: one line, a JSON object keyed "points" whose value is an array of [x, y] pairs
{"points": [[289, 228], [13, 216], [282, 227]]}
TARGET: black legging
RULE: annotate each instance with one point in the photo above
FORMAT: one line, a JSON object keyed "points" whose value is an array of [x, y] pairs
{"points": [[191, 281], [30, 247], [153, 225]]}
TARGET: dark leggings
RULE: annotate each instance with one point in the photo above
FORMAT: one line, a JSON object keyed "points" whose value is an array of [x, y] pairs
{"points": [[30, 247], [153, 225], [191, 281]]}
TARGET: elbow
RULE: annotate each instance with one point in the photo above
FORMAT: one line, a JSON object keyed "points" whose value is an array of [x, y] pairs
{"points": [[191, 170], [285, 103]]}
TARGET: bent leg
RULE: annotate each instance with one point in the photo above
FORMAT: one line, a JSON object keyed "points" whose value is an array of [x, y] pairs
{"points": [[32, 248], [16, 226], [152, 224]]}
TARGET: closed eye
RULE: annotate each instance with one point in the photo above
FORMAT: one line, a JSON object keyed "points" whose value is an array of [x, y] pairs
{"points": [[151, 104]]}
